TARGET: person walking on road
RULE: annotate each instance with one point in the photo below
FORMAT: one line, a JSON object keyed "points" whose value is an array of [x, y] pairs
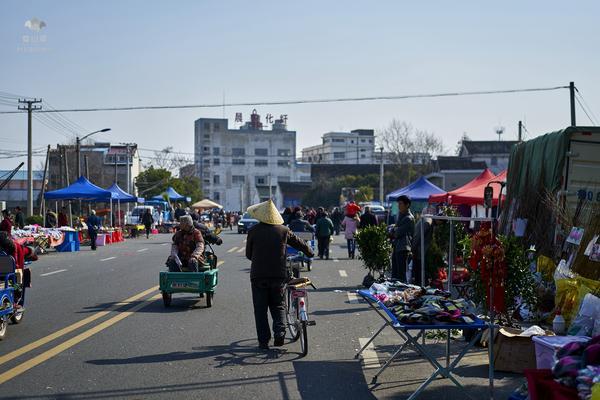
{"points": [[324, 230], [368, 218], [297, 224], [147, 220], [402, 234], [336, 217], [93, 224], [351, 225], [266, 247]]}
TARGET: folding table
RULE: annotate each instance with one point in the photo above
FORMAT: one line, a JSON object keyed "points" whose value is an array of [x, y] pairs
{"points": [[411, 339]]}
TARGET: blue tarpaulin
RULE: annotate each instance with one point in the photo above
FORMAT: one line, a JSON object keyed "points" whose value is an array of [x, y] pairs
{"points": [[172, 194], [122, 196], [419, 190], [82, 189]]}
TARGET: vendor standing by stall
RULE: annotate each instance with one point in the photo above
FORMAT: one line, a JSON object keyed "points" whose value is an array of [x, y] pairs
{"points": [[147, 220], [19, 218], [6, 224], [93, 224], [266, 248], [402, 234]]}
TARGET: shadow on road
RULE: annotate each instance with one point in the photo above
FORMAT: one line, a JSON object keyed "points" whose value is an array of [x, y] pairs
{"points": [[314, 379], [241, 353]]}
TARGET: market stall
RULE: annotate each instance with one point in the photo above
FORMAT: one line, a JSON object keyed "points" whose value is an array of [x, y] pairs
{"points": [[419, 192], [172, 195], [206, 204]]}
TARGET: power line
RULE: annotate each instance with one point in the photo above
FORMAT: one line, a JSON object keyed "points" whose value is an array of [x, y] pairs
{"points": [[305, 101], [586, 105], [584, 110]]}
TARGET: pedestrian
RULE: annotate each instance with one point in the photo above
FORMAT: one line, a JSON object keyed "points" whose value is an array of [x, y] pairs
{"points": [[179, 212], [350, 225], [287, 215], [93, 224], [298, 224], [324, 230], [51, 219], [402, 234], [6, 225], [266, 247], [352, 209], [336, 218], [368, 218], [187, 250], [19, 218], [147, 220], [62, 218]]}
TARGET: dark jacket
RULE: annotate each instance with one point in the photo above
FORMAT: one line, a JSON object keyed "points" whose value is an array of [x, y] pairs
{"points": [[266, 248], [324, 227], [300, 225], [93, 223], [403, 232], [19, 220], [368, 219], [147, 219]]}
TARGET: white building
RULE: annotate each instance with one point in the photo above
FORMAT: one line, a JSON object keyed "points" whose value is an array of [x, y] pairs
{"points": [[240, 167], [355, 147]]}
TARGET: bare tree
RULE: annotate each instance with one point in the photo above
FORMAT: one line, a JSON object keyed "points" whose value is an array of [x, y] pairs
{"points": [[463, 138], [169, 160], [405, 144]]}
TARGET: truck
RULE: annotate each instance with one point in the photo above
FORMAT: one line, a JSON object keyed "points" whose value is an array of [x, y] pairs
{"points": [[553, 182]]}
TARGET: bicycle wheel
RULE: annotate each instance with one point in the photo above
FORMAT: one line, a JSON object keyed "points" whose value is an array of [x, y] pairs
{"points": [[292, 317], [303, 338]]}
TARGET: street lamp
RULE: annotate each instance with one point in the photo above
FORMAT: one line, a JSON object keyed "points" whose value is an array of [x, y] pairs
{"points": [[78, 148]]}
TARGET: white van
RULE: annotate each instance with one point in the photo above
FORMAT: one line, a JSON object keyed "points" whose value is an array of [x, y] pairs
{"points": [[135, 217]]}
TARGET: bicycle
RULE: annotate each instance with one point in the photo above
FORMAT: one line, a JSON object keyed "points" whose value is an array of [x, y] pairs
{"points": [[297, 309]]}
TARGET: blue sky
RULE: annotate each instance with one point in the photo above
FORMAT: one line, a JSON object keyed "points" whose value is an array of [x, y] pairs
{"points": [[121, 53]]}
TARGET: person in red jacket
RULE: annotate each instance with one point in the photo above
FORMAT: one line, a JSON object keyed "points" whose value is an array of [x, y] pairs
{"points": [[6, 224]]}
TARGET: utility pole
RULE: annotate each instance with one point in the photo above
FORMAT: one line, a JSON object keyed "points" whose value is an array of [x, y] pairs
{"points": [[128, 176], [520, 131], [572, 100], [381, 175], [29, 108], [44, 184]]}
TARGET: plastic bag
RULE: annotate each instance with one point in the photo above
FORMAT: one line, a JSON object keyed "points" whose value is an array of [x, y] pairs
{"points": [[583, 324], [563, 271]]}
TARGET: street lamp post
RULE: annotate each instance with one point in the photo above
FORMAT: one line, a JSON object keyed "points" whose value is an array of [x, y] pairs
{"points": [[78, 148]]}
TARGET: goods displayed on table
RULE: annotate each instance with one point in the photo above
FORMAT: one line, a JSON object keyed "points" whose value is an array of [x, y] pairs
{"points": [[415, 305], [39, 236]]}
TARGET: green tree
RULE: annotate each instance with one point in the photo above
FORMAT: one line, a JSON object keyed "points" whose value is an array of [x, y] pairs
{"points": [[364, 193], [153, 181], [188, 186]]}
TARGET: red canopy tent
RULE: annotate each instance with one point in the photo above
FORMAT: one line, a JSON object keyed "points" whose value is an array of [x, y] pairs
{"points": [[472, 192]]}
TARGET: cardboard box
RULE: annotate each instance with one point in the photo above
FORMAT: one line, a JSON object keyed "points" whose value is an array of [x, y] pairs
{"points": [[514, 353]]}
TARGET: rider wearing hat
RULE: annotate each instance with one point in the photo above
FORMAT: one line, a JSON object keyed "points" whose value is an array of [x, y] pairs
{"points": [[187, 250], [266, 248]]}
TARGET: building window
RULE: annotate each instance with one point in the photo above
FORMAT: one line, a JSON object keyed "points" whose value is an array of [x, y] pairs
{"points": [[261, 152], [238, 161], [216, 126], [207, 136], [494, 160], [363, 156], [370, 140], [261, 180], [216, 179], [362, 150], [206, 150], [238, 152], [216, 161], [206, 161], [283, 179], [217, 196], [309, 159], [339, 155], [283, 152], [352, 141], [334, 140], [261, 163], [206, 126], [283, 163], [206, 182], [363, 141], [216, 151], [238, 179]]}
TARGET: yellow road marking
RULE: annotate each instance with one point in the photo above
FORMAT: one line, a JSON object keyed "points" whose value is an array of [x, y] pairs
{"points": [[231, 250], [45, 356], [241, 250], [219, 263], [71, 328]]}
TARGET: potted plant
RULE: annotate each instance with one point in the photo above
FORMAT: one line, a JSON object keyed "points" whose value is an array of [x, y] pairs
{"points": [[374, 249]]}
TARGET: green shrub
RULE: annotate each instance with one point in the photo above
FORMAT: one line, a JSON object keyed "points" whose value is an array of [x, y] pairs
{"points": [[34, 220], [374, 248]]}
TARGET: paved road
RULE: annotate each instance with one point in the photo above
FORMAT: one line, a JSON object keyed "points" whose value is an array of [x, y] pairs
{"points": [[95, 328]]}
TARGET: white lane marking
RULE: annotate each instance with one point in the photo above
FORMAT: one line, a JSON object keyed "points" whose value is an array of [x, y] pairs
{"points": [[336, 260], [109, 258], [165, 244], [53, 272], [231, 250], [140, 250], [369, 355], [240, 250], [353, 298], [343, 273]]}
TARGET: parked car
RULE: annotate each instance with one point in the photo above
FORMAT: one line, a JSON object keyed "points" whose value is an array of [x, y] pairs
{"points": [[245, 223], [136, 214], [379, 212]]}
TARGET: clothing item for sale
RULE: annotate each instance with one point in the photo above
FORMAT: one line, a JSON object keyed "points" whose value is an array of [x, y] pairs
{"points": [[573, 357]]}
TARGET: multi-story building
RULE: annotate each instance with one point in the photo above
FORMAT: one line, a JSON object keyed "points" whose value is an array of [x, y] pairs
{"points": [[106, 163], [15, 192], [239, 167], [493, 152], [354, 147]]}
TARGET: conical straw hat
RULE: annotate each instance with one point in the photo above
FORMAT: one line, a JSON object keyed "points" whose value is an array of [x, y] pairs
{"points": [[266, 212]]}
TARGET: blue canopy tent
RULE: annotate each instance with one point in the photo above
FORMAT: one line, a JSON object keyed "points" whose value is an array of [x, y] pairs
{"points": [[418, 191], [173, 195], [122, 196], [81, 189]]}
